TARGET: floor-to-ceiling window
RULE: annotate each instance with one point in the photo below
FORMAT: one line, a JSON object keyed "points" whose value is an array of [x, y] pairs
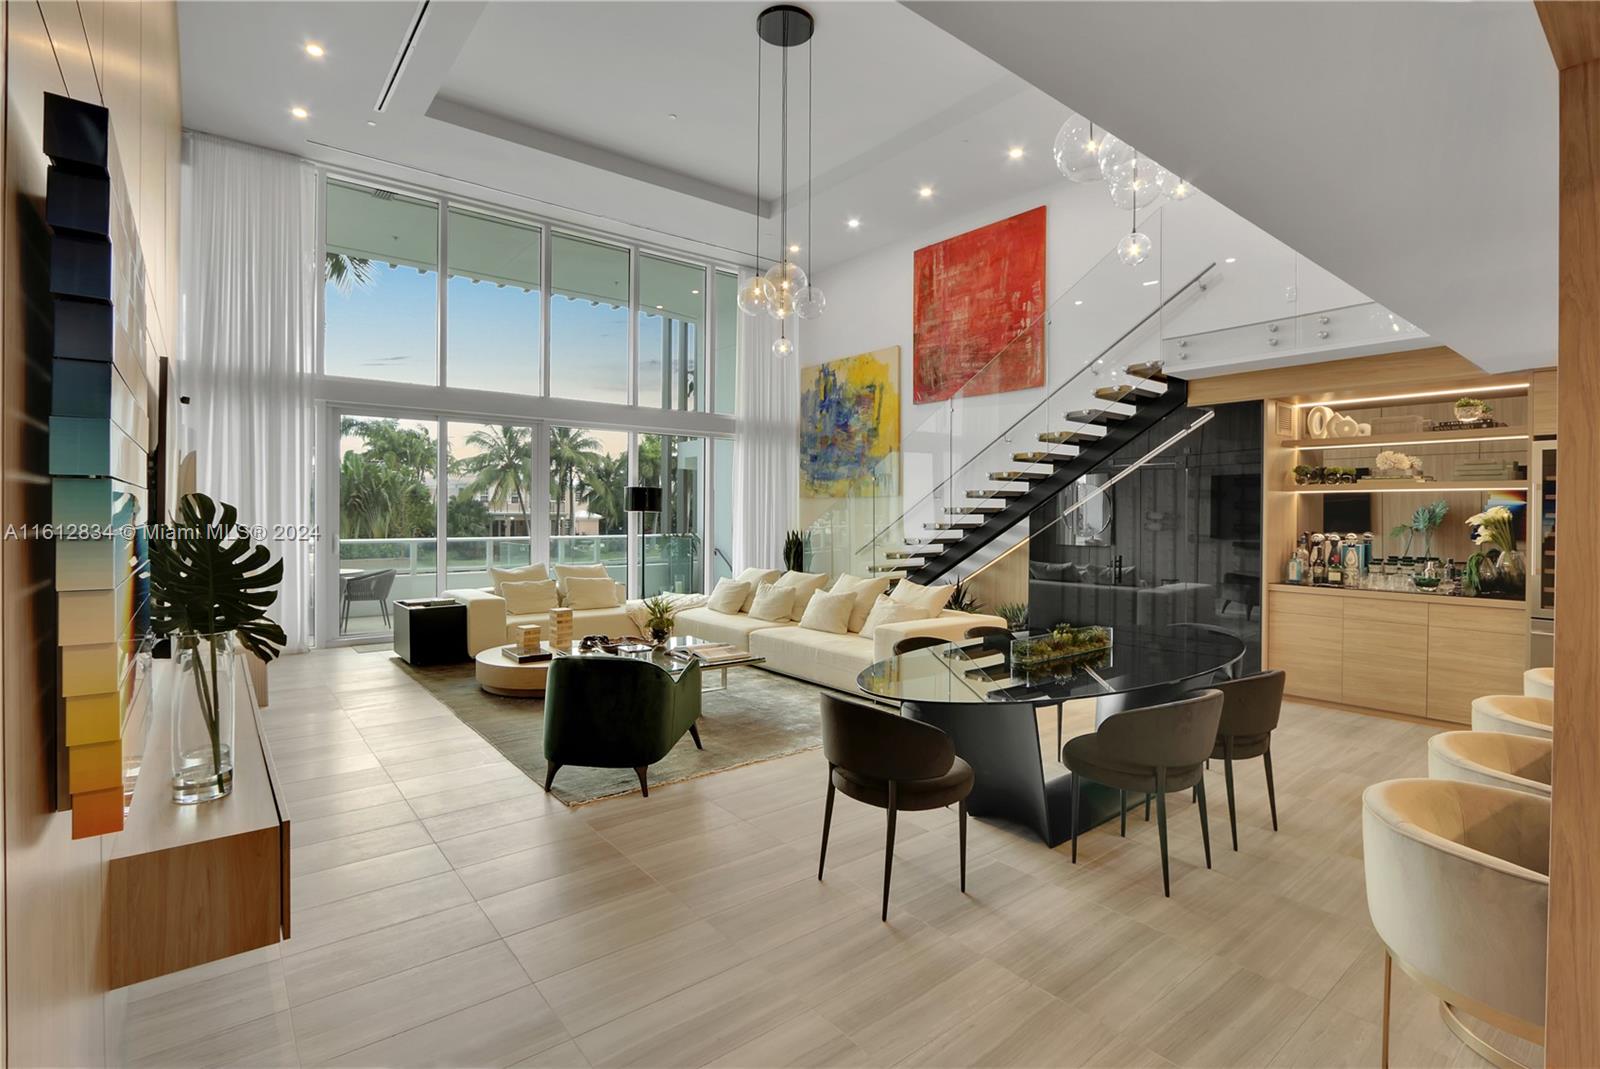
{"points": [[492, 383]]}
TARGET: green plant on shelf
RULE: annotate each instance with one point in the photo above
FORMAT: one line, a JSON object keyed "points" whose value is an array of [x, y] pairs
{"points": [[1424, 521], [1015, 615], [1061, 642]]}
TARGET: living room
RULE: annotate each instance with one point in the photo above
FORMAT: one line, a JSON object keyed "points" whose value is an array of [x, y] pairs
{"points": [[871, 533]]}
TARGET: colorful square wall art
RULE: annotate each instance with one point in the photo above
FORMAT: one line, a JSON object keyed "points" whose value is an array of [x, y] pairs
{"points": [[850, 423], [977, 294]]}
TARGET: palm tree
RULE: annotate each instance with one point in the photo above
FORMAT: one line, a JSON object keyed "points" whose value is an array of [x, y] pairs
{"points": [[571, 451], [604, 485], [500, 469], [348, 272], [408, 449]]}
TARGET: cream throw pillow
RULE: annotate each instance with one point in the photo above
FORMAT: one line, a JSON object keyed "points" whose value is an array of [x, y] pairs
{"points": [[866, 592], [930, 599], [591, 593], [755, 577], [578, 571], [829, 612], [886, 611], [524, 574], [772, 602], [536, 595], [728, 596], [805, 584]]}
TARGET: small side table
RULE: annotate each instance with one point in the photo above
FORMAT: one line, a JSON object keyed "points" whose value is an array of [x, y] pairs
{"points": [[499, 674], [431, 634]]}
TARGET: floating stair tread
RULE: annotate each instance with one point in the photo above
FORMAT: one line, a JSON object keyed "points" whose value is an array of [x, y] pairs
{"points": [[1000, 491], [1029, 473]]}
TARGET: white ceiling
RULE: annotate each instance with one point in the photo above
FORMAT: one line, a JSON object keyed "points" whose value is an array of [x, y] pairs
{"points": [[560, 108], [1410, 148]]}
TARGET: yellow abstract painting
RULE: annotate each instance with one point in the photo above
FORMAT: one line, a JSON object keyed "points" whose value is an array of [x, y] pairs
{"points": [[850, 425]]}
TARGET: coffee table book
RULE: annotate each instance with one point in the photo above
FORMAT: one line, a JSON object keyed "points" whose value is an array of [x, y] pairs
{"points": [[516, 654]]}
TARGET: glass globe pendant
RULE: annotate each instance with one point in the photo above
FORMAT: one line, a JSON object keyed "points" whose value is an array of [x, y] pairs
{"points": [[782, 347], [1077, 150], [1174, 187], [1113, 153], [1134, 246], [787, 280], [756, 295], [1132, 184], [809, 302]]}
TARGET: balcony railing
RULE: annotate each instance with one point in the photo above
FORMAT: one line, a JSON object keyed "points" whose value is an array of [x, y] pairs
{"points": [[671, 562]]}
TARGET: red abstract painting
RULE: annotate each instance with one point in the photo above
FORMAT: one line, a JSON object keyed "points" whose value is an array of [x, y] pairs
{"points": [[977, 294]]}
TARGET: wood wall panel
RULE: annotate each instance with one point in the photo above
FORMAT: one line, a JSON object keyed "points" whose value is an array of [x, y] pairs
{"points": [[1436, 367], [1573, 978], [54, 945]]}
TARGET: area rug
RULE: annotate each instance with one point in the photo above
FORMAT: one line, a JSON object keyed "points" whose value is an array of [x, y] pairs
{"points": [[759, 717]]}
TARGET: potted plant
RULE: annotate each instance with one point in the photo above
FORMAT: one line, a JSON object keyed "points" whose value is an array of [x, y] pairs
{"points": [[1470, 409], [794, 552], [209, 585], [1424, 521], [1015, 615], [961, 599], [1506, 572], [660, 613]]}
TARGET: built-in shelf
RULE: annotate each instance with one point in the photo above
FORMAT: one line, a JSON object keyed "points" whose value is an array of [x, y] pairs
{"points": [[1403, 486], [1486, 434]]}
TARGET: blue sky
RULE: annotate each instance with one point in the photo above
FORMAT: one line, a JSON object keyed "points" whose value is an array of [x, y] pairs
{"points": [[387, 329]]}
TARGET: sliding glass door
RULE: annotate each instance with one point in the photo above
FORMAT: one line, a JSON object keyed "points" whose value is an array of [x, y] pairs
{"points": [[415, 492]]}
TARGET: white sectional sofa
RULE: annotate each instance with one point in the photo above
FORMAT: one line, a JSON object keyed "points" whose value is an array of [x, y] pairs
{"points": [[820, 657]]}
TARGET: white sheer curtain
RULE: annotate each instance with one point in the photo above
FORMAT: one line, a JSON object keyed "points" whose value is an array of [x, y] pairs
{"points": [[248, 345], [766, 451]]}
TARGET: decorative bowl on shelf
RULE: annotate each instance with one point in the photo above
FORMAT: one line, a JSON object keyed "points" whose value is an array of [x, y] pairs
{"points": [[1426, 582]]}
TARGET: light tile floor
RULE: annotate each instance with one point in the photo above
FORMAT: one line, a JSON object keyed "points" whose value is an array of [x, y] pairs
{"points": [[447, 912]]}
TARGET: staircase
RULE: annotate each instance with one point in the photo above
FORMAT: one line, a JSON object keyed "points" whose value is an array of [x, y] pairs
{"points": [[1036, 474]]}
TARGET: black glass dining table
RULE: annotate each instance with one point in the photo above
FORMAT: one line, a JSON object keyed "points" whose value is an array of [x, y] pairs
{"points": [[977, 692]]}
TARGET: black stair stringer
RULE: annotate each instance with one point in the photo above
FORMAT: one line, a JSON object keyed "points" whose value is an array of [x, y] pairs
{"points": [[1151, 410]]}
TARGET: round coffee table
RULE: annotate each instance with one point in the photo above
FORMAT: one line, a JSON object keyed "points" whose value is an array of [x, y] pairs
{"points": [[499, 674]]}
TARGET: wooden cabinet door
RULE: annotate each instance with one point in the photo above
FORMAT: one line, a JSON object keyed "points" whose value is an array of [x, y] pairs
{"points": [[1472, 651], [1386, 655], [1306, 640]]}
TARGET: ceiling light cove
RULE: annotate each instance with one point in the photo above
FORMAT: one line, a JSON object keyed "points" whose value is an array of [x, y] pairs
{"points": [[314, 50], [299, 113]]}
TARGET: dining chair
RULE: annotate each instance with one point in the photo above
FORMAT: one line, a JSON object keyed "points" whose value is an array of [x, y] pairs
{"points": [[1250, 709], [1157, 750], [895, 764], [368, 586], [989, 631], [918, 642]]}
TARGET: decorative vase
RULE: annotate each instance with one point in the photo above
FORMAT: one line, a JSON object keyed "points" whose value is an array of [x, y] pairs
{"points": [[1511, 573], [659, 635], [201, 717]]}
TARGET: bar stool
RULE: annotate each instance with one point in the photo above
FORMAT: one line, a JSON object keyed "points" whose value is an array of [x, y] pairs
{"points": [[1496, 758], [1539, 682]]}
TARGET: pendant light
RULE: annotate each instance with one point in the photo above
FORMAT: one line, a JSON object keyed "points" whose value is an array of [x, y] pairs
{"points": [[783, 291], [1134, 246]]}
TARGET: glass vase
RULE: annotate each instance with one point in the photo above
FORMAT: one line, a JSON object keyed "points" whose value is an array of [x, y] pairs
{"points": [[1511, 573], [201, 717]]}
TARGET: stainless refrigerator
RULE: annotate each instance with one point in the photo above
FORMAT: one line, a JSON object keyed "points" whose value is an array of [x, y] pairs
{"points": [[1542, 556]]}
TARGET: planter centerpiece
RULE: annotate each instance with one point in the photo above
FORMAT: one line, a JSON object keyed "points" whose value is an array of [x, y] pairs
{"points": [[209, 587], [1470, 409], [1061, 643], [660, 614], [1504, 573]]}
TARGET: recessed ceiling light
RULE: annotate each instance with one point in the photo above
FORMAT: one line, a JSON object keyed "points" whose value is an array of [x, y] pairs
{"points": [[1152, 282], [298, 112], [1014, 152], [1231, 260], [672, 115], [659, 307], [372, 122], [314, 50], [925, 192], [853, 224], [1077, 302], [794, 248]]}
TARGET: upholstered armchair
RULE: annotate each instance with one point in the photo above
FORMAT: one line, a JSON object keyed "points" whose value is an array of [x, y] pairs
{"points": [[1518, 714], [1498, 758], [1458, 888], [616, 712]]}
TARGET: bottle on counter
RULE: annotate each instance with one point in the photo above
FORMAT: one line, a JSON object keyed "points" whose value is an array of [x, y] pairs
{"points": [[1319, 560], [1335, 562], [1366, 553], [1352, 563], [1300, 562]]}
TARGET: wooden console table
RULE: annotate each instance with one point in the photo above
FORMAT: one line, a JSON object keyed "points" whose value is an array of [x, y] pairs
{"points": [[188, 884]]}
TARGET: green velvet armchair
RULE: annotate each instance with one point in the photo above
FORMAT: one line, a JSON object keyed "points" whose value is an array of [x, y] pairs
{"points": [[616, 712]]}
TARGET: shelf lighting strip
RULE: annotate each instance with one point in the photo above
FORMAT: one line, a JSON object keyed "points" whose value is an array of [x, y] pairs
{"points": [[1377, 442], [1420, 488], [1509, 387]]}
